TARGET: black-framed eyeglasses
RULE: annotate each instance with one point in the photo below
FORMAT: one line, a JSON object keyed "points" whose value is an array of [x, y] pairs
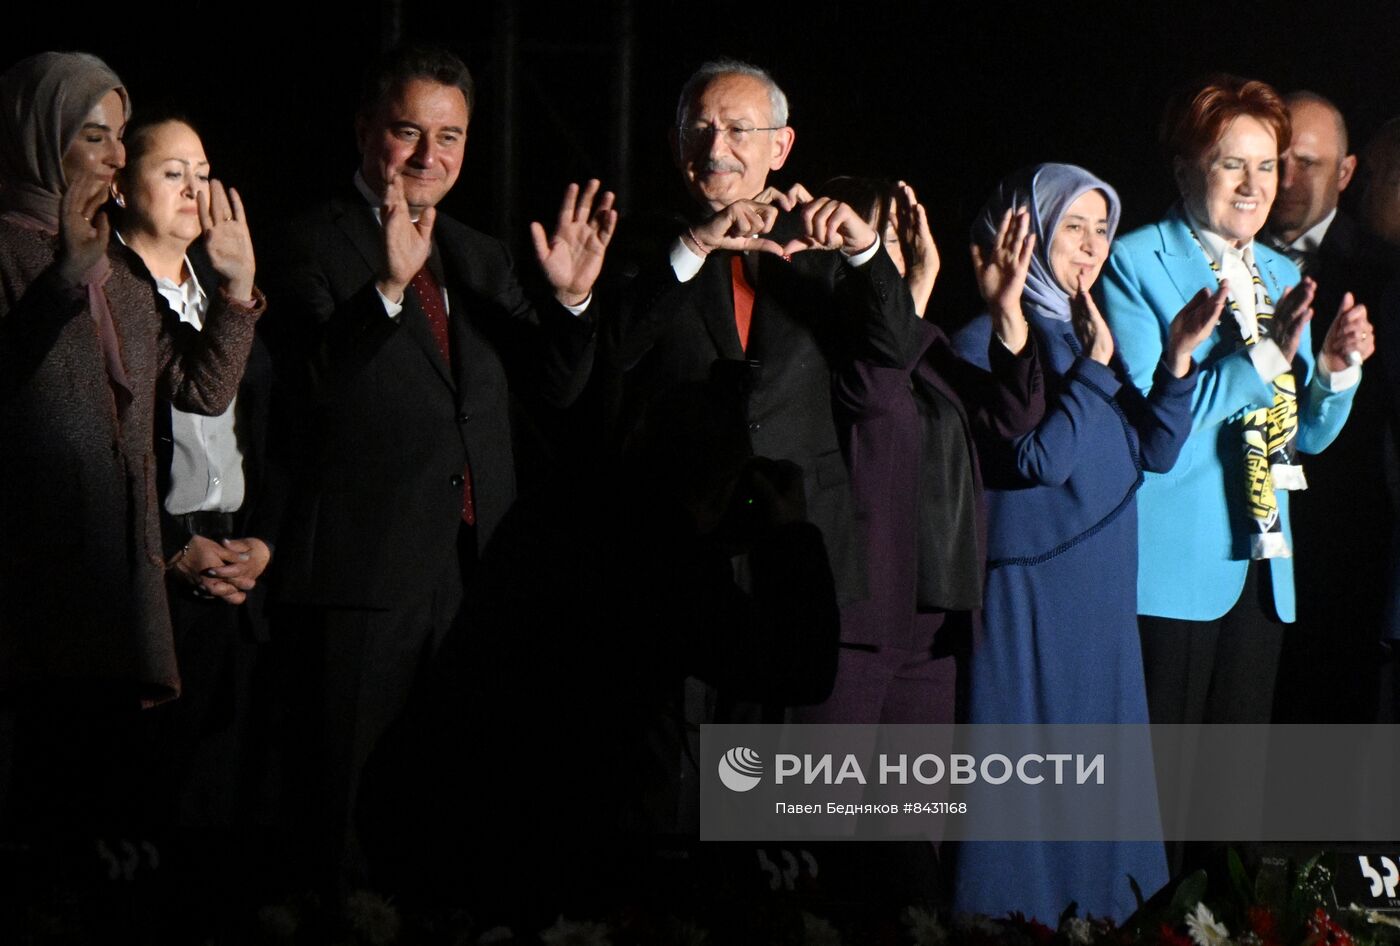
{"points": [[736, 136]]}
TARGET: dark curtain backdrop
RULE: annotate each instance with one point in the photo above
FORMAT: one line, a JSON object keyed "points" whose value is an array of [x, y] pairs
{"points": [[948, 95]]}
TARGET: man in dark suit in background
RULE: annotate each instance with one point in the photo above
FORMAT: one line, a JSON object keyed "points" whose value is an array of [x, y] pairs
{"points": [[749, 290], [420, 338], [1380, 197], [1344, 517]]}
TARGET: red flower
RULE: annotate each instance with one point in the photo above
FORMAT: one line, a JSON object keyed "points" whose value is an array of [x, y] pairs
{"points": [[1168, 936], [1040, 934], [1325, 931], [1263, 923]]}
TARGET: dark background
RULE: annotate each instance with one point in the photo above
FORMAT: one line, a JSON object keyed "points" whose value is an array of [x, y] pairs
{"points": [[950, 96]]}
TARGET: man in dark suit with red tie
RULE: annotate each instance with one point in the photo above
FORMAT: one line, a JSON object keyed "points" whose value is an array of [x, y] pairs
{"points": [[420, 337], [769, 290]]}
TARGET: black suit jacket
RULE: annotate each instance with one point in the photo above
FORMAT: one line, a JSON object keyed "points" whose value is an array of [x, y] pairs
{"points": [[1341, 523], [811, 316], [376, 512]]}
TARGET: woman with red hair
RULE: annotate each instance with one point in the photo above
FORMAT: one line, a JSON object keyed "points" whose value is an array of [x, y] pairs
{"points": [[1215, 581]]}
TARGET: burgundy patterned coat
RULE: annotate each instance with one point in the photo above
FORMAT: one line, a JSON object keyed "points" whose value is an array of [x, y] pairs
{"points": [[82, 598]]}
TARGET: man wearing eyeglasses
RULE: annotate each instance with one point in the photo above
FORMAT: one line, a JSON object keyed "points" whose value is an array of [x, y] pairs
{"points": [[766, 290]]}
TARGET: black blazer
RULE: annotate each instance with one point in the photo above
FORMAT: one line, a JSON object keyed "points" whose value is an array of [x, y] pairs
{"points": [[1338, 551], [811, 316], [376, 509]]}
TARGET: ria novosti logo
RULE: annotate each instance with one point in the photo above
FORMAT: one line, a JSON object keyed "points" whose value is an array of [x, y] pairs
{"points": [[740, 769]]}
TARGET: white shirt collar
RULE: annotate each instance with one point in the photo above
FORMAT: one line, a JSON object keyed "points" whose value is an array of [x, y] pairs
{"points": [[374, 200], [1312, 238], [1217, 247], [188, 298]]}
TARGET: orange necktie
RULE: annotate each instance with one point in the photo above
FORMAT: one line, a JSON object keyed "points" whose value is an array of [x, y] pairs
{"points": [[743, 299]]}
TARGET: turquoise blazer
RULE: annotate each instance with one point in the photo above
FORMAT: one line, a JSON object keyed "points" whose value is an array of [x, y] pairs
{"points": [[1193, 547]]}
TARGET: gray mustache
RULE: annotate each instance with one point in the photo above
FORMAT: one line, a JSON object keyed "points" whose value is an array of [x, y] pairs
{"points": [[733, 166]]}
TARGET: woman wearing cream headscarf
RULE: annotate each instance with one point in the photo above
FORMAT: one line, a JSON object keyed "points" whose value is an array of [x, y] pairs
{"points": [[84, 629]]}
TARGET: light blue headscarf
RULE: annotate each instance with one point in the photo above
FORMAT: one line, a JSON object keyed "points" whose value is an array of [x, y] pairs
{"points": [[1048, 190]]}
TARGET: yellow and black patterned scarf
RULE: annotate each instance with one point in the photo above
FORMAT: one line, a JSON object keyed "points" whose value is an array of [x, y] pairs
{"points": [[1269, 436]]}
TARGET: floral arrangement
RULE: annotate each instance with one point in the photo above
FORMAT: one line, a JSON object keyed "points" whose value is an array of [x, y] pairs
{"points": [[1244, 912], [1284, 906]]}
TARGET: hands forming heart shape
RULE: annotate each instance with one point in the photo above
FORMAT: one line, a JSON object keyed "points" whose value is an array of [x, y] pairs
{"points": [[827, 225]]}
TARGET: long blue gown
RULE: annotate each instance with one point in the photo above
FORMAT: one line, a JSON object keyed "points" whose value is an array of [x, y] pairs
{"points": [[1060, 641]]}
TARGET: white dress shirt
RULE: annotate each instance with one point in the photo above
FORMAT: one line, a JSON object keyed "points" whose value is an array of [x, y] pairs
{"points": [[206, 467]]}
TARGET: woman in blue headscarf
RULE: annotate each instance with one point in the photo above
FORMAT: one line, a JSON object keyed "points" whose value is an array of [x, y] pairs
{"points": [[1060, 640]]}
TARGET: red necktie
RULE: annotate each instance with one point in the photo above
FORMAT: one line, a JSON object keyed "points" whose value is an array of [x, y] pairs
{"points": [[743, 299], [426, 290]]}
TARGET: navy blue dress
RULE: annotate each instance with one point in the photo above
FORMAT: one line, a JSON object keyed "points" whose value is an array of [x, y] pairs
{"points": [[1060, 639]]}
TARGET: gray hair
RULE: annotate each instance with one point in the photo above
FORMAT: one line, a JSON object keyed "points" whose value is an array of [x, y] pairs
{"points": [[777, 99]]}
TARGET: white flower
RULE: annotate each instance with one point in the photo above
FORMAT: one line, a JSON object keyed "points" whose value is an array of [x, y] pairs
{"points": [[1205, 930], [924, 927], [686, 933], [375, 919], [1079, 930], [1375, 918], [977, 923], [818, 932], [576, 933]]}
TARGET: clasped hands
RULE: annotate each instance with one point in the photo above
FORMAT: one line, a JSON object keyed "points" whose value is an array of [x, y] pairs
{"points": [[227, 569], [571, 257], [827, 224]]}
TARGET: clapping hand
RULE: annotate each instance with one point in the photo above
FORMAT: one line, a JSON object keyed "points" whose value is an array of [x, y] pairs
{"points": [[1192, 325], [226, 239], [1293, 312], [1090, 327], [1001, 275], [83, 228], [1349, 335], [572, 257], [407, 242]]}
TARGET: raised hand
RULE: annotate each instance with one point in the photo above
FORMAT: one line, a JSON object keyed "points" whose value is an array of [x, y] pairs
{"points": [[1001, 274], [573, 256], [921, 260], [1090, 327], [827, 224], [1293, 312], [1192, 325], [788, 199], [83, 229], [407, 242], [226, 239], [1350, 334]]}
